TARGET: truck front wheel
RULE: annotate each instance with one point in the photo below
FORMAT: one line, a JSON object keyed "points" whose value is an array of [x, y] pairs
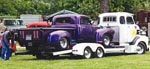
{"points": [[106, 40], [141, 48]]}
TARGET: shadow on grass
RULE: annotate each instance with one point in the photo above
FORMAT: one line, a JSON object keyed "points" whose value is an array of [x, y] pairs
{"points": [[61, 57], [71, 57], [117, 54]]}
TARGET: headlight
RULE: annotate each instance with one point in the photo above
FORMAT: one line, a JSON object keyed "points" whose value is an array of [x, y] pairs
{"points": [[141, 32]]}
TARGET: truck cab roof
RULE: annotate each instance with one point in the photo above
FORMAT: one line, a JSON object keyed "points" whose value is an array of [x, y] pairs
{"points": [[115, 14], [67, 19], [115, 18], [69, 15]]}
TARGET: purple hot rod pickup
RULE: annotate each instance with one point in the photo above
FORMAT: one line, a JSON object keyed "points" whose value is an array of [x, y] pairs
{"points": [[66, 31]]}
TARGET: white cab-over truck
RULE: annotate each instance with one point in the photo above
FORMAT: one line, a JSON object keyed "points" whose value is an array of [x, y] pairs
{"points": [[128, 38]]}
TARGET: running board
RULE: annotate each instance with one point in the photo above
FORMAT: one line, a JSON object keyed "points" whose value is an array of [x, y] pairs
{"points": [[62, 52], [115, 50]]}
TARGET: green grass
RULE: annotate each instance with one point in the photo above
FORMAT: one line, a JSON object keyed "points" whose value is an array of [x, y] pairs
{"points": [[112, 61]]}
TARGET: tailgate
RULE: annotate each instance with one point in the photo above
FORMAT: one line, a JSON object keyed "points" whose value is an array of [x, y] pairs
{"points": [[29, 36]]}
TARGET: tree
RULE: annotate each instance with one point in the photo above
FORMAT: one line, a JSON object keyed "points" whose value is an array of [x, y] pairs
{"points": [[7, 8], [89, 7], [116, 5], [104, 6]]}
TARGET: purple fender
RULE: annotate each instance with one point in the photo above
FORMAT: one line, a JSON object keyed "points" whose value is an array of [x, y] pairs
{"points": [[103, 31], [55, 36]]}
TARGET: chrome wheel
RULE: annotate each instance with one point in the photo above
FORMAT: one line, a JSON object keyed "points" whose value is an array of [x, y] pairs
{"points": [[87, 53], [106, 40], [63, 43], [99, 52], [141, 48]]}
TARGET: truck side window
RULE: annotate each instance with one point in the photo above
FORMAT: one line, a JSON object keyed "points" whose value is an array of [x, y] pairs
{"points": [[109, 19], [130, 20], [104, 19], [85, 20], [122, 20], [114, 19]]}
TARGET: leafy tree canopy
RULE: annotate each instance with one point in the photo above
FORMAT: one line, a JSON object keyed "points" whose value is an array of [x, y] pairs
{"points": [[87, 7]]}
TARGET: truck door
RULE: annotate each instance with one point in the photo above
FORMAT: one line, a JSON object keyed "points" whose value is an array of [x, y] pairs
{"points": [[127, 29], [86, 30], [131, 28]]}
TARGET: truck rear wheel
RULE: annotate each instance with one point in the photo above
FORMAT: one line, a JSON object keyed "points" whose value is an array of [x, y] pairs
{"points": [[141, 48], [40, 56], [63, 43]]}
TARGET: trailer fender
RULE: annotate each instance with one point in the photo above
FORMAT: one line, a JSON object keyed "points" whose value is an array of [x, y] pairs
{"points": [[78, 49]]}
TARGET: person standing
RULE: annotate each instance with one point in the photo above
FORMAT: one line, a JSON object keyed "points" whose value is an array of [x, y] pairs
{"points": [[7, 36], [2, 26]]}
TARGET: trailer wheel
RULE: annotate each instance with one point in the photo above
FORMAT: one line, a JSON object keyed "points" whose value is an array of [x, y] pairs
{"points": [[87, 53], [141, 48], [106, 40], [63, 43], [99, 52]]}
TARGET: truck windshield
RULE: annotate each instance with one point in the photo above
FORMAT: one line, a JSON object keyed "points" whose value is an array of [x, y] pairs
{"points": [[130, 20], [65, 20]]}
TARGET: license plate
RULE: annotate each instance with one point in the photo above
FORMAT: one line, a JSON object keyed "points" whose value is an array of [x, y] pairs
{"points": [[28, 37]]}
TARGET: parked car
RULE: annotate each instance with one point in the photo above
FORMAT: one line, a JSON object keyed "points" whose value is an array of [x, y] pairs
{"points": [[12, 24]]}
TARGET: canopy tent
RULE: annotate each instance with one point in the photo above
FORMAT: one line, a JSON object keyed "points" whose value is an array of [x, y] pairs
{"points": [[49, 17]]}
